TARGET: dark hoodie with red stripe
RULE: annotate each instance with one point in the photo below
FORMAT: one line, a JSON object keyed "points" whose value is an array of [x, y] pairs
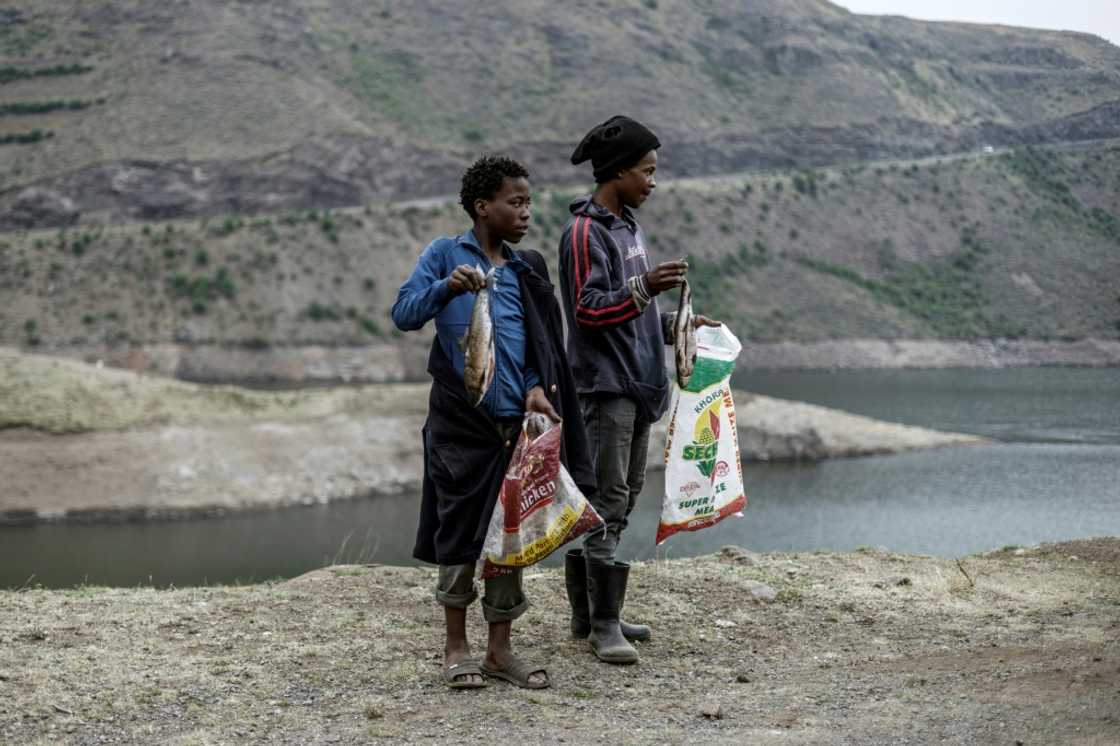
{"points": [[616, 337]]}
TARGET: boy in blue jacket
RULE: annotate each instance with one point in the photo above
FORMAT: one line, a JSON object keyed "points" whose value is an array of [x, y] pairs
{"points": [[467, 448]]}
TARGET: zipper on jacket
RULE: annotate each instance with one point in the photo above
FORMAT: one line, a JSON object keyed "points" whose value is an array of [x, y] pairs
{"points": [[493, 406]]}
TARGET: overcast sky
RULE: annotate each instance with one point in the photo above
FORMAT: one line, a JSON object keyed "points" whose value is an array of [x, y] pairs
{"points": [[1100, 17]]}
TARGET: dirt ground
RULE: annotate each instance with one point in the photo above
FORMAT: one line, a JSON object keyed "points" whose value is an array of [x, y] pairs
{"points": [[1016, 646]]}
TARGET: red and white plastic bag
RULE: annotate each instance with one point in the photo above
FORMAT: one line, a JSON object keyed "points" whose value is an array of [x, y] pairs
{"points": [[539, 508]]}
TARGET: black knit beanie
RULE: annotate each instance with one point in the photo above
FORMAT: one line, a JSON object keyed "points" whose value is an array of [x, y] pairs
{"points": [[614, 145]]}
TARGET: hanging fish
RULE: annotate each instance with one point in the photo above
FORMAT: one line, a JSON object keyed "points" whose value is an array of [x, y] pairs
{"points": [[537, 424], [477, 344], [684, 337]]}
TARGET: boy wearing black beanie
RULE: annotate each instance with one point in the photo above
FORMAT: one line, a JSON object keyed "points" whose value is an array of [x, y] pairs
{"points": [[616, 339]]}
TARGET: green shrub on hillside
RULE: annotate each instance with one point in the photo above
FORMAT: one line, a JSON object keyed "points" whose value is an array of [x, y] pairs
{"points": [[1041, 169], [386, 83], [31, 333], [320, 312], [82, 242], [18, 39], [201, 291], [1105, 223], [947, 297], [26, 108], [369, 326], [329, 226], [26, 138], [10, 74], [227, 227], [806, 183]]}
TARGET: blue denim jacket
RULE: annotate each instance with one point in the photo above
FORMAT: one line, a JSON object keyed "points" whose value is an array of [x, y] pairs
{"points": [[425, 295]]}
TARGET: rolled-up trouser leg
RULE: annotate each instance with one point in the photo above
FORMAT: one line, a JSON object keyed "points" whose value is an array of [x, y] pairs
{"points": [[455, 587], [619, 445], [504, 600]]}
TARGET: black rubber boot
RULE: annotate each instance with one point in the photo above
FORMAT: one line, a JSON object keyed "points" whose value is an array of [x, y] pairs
{"points": [[575, 580], [606, 592]]}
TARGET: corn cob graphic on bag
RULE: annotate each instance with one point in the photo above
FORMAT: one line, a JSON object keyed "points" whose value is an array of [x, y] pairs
{"points": [[703, 470]]}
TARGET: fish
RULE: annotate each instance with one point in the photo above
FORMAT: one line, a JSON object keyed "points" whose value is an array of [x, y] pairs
{"points": [[537, 424], [684, 337], [477, 344]]}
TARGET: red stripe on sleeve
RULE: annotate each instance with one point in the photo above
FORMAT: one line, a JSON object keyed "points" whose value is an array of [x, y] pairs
{"points": [[586, 251], [575, 258], [581, 261], [631, 314], [609, 309]]}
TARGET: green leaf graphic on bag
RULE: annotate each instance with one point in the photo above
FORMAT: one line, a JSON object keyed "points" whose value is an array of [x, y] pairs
{"points": [[708, 372]]}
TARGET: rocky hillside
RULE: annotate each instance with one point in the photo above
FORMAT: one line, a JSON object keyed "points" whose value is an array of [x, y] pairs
{"points": [[132, 110], [1023, 244]]}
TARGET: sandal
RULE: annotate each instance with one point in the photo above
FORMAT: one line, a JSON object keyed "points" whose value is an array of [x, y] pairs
{"points": [[517, 672], [464, 668]]}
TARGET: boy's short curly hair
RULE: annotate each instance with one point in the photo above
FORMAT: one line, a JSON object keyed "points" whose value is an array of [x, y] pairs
{"points": [[484, 179]]}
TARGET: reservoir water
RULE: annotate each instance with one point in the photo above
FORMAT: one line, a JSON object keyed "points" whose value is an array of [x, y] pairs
{"points": [[1053, 474]]}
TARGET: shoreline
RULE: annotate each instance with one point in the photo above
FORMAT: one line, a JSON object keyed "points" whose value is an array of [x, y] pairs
{"points": [[406, 361], [878, 354], [83, 443], [215, 469]]}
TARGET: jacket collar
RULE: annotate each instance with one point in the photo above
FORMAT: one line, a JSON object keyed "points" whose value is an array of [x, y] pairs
{"points": [[470, 240], [587, 206]]}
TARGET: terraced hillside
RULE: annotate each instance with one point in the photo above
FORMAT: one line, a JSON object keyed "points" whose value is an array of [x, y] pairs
{"points": [[190, 108]]}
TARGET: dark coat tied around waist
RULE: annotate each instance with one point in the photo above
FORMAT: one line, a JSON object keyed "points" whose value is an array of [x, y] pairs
{"points": [[465, 453]]}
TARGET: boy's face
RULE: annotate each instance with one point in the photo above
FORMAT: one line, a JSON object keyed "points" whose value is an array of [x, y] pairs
{"points": [[506, 214], [637, 183]]}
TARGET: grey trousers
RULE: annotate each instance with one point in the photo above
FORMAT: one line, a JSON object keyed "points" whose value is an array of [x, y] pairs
{"points": [[619, 445], [504, 600]]}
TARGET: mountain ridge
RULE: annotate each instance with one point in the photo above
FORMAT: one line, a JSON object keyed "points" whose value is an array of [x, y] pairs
{"points": [[336, 104]]}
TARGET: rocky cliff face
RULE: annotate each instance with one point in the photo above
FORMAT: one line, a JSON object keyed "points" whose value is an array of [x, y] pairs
{"points": [[340, 171]]}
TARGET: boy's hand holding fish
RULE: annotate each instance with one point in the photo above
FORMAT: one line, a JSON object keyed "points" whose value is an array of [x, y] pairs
{"points": [[666, 276], [536, 401], [466, 278]]}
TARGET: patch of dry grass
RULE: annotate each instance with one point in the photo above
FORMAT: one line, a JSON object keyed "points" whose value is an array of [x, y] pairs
{"points": [[65, 396]]}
